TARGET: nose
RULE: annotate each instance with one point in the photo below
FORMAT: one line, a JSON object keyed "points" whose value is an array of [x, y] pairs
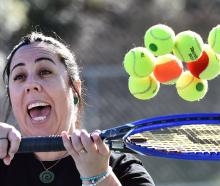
{"points": [[33, 85]]}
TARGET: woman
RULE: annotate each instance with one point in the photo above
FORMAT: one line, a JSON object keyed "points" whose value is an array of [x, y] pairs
{"points": [[44, 89]]}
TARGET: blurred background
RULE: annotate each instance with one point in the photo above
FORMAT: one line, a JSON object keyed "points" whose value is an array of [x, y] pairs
{"points": [[100, 32]]}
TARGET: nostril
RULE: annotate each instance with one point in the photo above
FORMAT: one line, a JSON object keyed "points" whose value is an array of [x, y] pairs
{"points": [[34, 87]]}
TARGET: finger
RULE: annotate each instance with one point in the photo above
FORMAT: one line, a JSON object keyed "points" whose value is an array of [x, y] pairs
{"points": [[76, 141], [5, 129], [101, 146], [67, 143], [7, 160], [96, 135], [87, 141], [3, 148], [15, 138], [96, 132]]}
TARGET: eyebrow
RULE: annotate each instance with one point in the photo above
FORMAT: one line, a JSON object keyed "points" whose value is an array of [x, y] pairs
{"points": [[36, 61], [44, 58]]}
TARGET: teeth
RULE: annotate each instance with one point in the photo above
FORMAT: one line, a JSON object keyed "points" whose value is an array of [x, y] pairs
{"points": [[40, 118], [36, 105]]}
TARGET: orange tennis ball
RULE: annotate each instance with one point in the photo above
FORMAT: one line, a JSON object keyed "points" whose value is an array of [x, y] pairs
{"points": [[207, 66], [167, 69]]}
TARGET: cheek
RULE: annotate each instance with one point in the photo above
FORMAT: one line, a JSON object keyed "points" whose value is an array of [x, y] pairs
{"points": [[15, 97], [16, 107], [63, 96], [65, 99]]}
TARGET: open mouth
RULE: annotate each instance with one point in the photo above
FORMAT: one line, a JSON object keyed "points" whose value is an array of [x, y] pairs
{"points": [[39, 111]]}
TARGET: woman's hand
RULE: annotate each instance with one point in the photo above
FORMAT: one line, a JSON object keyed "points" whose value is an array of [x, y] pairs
{"points": [[89, 152], [9, 142]]}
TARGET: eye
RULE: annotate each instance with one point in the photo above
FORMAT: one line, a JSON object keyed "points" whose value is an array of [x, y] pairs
{"points": [[45, 72], [19, 77]]}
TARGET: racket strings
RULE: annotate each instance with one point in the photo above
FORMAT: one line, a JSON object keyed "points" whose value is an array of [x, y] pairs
{"points": [[200, 138]]}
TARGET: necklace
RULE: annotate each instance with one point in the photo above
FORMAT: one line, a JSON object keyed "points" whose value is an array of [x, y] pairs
{"points": [[48, 176]]}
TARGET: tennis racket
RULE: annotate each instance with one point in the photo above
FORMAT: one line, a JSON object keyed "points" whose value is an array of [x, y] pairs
{"points": [[194, 136]]}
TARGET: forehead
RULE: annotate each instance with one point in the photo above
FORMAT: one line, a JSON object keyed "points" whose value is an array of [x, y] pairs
{"points": [[35, 50]]}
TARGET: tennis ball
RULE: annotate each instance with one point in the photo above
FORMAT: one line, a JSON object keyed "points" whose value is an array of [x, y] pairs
{"points": [[139, 62], [207, 66], [191, 88], [188, 46], [214, 38], [143, 88], [159, 39], [167, 69]]}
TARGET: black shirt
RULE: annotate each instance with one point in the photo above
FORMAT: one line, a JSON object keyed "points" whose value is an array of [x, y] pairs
{"points": [[25, 169]]}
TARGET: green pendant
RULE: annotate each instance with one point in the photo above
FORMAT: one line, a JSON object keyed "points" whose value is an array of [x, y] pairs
{"points": [[46, 176]]}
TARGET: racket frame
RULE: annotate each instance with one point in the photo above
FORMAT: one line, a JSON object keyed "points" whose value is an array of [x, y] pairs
{"points": [[117, 137]]}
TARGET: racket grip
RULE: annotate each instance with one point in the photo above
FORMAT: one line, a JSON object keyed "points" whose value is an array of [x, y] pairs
{"points": [[41, 144], [55, 143]]}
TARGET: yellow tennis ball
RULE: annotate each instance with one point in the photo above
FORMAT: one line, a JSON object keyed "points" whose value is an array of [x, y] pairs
{"points": [[139, 62], [159, 39], [214, 38], [188, 46], [207, 66], [143, 88], [191, 88]]}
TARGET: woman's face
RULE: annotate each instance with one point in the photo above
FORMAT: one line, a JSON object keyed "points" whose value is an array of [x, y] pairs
{"points": [[40, 92]]}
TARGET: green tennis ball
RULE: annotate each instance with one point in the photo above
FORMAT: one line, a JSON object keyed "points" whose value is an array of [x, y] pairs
{"points": [[207, 66], [159, 39], [191, 88], [143, 88], [188, 46], [139, 62], [214, 38]]}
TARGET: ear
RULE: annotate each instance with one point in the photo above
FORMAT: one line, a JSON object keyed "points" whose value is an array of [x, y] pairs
{"points": [[76, 86]]}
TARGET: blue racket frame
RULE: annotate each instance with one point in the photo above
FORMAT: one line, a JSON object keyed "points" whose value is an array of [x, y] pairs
{"points": [[121, 133], [183, 155]]}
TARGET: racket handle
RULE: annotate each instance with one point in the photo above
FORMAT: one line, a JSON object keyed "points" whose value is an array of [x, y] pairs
{"points": [[41, 144], [55, 143]]}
